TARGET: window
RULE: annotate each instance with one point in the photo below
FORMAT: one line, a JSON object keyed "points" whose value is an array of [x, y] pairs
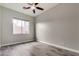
{"points": [[20, 26]]}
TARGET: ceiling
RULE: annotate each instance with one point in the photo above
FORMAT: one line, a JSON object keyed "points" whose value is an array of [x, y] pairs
{"points": [[18, 7]]}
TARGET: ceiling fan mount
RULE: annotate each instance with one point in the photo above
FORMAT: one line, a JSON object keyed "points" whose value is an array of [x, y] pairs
{"points": [[33, 6]]}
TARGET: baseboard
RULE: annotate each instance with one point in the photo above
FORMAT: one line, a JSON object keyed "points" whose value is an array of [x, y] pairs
{"points": [[16, 43], [62, 47]]}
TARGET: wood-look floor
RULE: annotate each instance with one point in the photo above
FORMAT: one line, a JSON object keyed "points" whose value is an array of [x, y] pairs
{"points": [[34, 49]]}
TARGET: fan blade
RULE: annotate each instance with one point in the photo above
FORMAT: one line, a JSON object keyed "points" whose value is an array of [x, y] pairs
{"points": [[30, 3], [39, 8], [33, 10], [26, 7], [36, 3]]}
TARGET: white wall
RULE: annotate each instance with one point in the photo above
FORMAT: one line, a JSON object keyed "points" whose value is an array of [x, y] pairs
{"points": [[78, 27], [0, 25], [8, 37], [59, 26]]}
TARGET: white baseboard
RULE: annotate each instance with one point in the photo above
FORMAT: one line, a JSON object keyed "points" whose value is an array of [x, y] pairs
{"points": [[62, 47], [15, 43]]}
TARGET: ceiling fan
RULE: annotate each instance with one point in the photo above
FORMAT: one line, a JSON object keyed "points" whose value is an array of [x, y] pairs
{"points": [[33, 6]]}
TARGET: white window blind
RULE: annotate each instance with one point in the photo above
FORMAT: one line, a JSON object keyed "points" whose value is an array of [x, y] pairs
{"points": [[21, 27]]}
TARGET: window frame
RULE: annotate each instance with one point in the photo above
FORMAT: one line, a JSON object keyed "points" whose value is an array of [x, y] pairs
{"points": [[21, 26]]}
